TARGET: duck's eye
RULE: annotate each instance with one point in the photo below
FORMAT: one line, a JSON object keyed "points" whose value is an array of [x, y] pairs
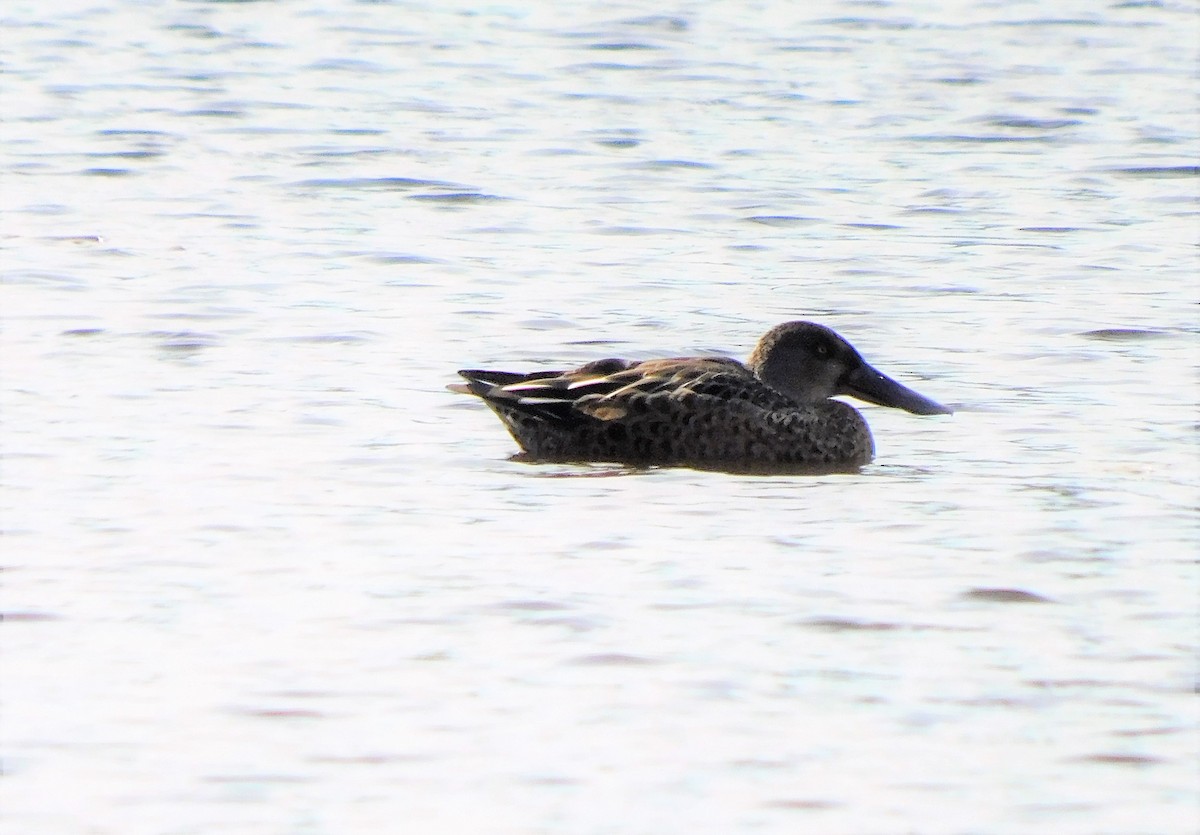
{"points": [[822, 350]]}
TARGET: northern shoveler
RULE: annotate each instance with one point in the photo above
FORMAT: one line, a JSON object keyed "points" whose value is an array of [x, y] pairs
{"points": [[773, 413]]}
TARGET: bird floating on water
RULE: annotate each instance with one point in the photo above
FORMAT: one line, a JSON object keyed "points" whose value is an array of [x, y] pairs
{"points": [[773, 413]]}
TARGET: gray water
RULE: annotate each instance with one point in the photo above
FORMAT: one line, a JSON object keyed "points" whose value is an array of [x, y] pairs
{"points": [[264, 574]]}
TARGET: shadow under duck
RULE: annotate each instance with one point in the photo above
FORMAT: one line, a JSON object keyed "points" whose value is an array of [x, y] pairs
{"points": [[773, 413]]}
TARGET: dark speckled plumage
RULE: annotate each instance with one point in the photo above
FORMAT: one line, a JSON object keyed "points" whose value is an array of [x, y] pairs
{"points": [[773, 413]]}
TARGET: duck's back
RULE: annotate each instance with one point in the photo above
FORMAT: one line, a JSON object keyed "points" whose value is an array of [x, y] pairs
{"points": [[698, 412]]}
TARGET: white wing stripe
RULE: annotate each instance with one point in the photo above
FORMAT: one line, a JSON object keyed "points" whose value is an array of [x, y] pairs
{"points": [[538, 401]]}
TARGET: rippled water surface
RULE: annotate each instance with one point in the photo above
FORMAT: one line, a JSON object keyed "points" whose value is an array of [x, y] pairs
{"points": [[264, 574]]}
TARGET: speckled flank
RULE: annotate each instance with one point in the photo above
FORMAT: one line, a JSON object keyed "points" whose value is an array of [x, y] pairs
{"points": [[699, 430]]}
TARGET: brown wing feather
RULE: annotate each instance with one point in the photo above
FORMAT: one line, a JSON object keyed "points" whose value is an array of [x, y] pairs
{"points": [[610, 389]]}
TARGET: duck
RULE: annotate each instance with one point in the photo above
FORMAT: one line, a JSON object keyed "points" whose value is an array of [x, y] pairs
{"points": [[773, 413]]}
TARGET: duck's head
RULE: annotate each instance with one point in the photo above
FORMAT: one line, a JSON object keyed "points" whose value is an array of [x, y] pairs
{"points": [[810, 363]]}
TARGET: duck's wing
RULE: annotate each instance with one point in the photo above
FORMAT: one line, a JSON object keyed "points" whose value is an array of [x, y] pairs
{"points": [[545, 395], [610, 389]]}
